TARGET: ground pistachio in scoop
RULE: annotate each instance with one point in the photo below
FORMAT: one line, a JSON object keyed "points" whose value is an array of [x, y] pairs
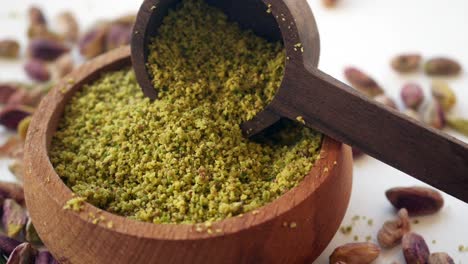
{"points": [[182, 158]]}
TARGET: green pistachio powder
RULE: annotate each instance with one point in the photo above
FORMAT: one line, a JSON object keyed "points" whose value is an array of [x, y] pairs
{"points": [[182, 158]]}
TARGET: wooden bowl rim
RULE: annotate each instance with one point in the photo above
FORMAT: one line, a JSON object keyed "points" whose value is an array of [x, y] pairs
{"points": [[36, 156]]}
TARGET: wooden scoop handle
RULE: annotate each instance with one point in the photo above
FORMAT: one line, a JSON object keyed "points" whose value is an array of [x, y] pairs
{"points": [[342, 113]]}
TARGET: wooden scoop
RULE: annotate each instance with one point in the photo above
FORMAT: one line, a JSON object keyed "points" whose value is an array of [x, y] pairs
{"points": [[323, 102]]}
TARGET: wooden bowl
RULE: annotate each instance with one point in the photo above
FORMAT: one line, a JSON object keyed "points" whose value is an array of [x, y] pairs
{"points": [[316, 206]]}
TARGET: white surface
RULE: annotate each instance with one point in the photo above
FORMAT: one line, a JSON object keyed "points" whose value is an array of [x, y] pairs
{"points": [[364, 33]]}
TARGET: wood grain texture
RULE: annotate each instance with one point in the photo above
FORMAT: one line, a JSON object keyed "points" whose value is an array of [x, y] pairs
{"points": [[386, 134], [317, 205]]}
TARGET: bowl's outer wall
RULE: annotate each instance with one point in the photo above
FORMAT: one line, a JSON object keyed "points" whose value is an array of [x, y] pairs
{"points": [[73, 240]]}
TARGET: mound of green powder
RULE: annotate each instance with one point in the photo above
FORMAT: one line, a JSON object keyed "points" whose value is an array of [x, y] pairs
{"points": [[182, 158]]}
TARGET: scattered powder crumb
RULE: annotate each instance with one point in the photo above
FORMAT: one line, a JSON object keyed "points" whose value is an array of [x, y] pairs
{"points": [[199, 229], [325, 170], [75, 204], [434, 241], [209, 231], [300, 119], [370, 222], [346, 229], [110, 224], [463, 248], [269, 8], [285, 224], [254, 212], [98, 219], [368, 238], [298, 46], [293, 225], [336, 163], [416, 221], [356, 218], [218, 230], [356, 238]]}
